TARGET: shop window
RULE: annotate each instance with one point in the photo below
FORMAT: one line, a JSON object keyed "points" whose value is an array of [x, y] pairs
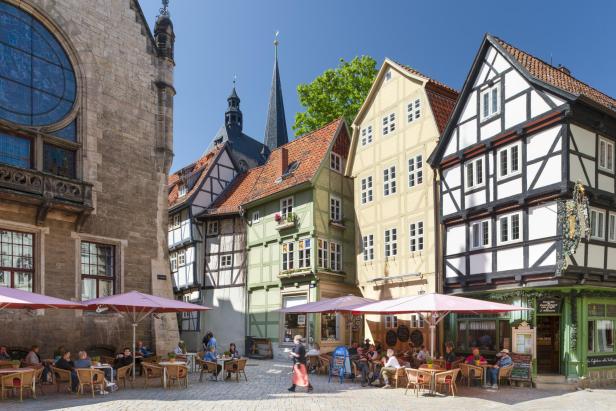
{"points": [[477, 333], [294, 323], [601, 336], [330, 327]]}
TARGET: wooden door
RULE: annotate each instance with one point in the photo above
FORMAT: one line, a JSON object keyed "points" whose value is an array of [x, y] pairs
{"points": [[548, 344]]}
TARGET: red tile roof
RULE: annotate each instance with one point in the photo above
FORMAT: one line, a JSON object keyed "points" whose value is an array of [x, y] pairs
{"points": [[190, 172], [441, 97], [555, 76], [308, 150]]}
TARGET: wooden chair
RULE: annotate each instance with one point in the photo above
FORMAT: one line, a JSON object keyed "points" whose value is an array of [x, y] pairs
{"points": [[61, 376], [207, 367], [22, 381], [315, 363], [399, 375], [123, 374], [237, 367], [448, 379], [505, 374], [424, 380], [471, 372], [38, 377], [92, 378], [152, 371], [412, 380], [177, 373]]}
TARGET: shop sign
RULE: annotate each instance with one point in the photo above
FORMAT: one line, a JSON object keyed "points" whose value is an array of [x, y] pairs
{"points": [[606, 361], [548, 305]]}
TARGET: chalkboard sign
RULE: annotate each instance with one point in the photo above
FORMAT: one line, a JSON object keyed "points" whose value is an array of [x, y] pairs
{"points": [[404, 333], [548, 305], [391, 338], [417, 338], [602, 361], [522, 369]]}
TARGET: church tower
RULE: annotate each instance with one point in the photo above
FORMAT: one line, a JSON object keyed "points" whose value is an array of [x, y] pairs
{"points": [[276, 126], [233, 115]]}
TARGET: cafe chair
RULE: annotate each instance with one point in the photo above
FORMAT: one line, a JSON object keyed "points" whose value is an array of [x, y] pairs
{"points": [[177, 374], [237, 367], [152, 371], [92, 378], [22, 381], [504, 373], [123, 374], [206, 367], [61, 376], [399, 375], [448, 379], [471, 372], [412, 380]]}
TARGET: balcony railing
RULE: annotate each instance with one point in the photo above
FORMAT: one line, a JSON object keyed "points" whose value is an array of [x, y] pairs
{"points": [[46, 191]]}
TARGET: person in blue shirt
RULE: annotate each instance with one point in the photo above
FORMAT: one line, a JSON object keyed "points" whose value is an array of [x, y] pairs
{"points": [[212, 342], [503, 361], [210, 356], [143, 350]]}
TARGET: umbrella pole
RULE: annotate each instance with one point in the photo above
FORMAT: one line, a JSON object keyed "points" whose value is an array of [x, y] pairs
{"points": [[134, 348], [432, 337]]}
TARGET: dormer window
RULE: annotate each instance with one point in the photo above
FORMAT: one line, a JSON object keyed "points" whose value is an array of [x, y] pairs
{"points": [[182, 190], [289, 171]]}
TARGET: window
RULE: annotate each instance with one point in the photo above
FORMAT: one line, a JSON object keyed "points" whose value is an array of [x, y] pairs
{"points": [[415, 170], [176, 221], [286, 206], [97, 270], [182, 190], [490, 101], [304, 251], [287, 256], [417, 321], [597, 224], [335, 256], [38, 89], [226, 260], [508, 159], [391, 242], [600, 331], [335, 162], [323, 254], [179, 271], [366, 135], [330, 327], [388, 75], [368, 247], [366, 190], [413, 110], [391, 321], [212, 227], [479, 333], [416, 236], [290, 169], [16, 259], [606, 154], [474, 173], [480, 234], [294, 324], [389, 181], [611, 228], [335, 213], [389, 124], [509, 228], [256, 217], [181, 258], [173, 262], [189, 321]]}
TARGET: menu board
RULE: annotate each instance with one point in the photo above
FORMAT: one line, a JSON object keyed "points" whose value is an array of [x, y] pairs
{"points": [[522, 368]]}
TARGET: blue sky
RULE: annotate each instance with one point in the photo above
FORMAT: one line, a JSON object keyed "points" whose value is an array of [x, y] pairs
{"points": [[216, 40]]}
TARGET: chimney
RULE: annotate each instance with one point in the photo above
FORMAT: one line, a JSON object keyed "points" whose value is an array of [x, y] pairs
{"points": [[284, 160], [564, 69]]}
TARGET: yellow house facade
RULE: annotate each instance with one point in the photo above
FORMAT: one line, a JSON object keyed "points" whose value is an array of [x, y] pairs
{"points": [[396, 206]]}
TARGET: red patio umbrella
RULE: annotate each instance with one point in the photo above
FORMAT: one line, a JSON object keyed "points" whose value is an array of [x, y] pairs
{"points": [[13, 298], [434, 307], [137, 306]]}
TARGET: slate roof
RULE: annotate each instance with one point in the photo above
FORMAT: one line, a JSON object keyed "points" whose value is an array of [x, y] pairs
{"points": [[308, 150], [192, 175], [555, 76], [240, 142], [276, 123]]}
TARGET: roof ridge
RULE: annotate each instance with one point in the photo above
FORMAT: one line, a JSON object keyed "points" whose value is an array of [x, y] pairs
{"points": [[552, 67], [429, 78], [307, 134]]}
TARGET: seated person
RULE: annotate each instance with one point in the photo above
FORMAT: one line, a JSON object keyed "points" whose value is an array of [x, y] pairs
{"points": [[363, 365], [82, 360], [366, 344], [475, 357], [390, 368], [210, 356], [65, 363], [450, 356], [57, 354], [178, 349], [422, 355], [143, 350], [353, 349], [4, 355], [504, 360], [315, 350], [123, 359], [33, 359], [233, 352]]}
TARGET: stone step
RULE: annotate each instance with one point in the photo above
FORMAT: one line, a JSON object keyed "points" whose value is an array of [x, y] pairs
{"points": [[554, 382], [551, 378]]}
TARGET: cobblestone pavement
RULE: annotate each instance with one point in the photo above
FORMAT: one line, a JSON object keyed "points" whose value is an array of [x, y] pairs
{"points": [[266, 390]]}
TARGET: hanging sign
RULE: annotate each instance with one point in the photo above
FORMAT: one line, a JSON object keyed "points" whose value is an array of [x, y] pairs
{"points": [[609, 360], [549, 305]]}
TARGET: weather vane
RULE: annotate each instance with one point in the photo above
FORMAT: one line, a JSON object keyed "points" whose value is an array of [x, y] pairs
{"points": [[165, 9]]}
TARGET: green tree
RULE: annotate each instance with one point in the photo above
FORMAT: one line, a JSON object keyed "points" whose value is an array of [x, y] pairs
{"points": [[338, 92]]}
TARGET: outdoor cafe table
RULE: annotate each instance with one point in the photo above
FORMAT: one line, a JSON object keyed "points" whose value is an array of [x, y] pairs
{"points": [[103, 367], [485, 367], [433, 371], [221, 361], [166, 364], [5, 371], [190, 361]]}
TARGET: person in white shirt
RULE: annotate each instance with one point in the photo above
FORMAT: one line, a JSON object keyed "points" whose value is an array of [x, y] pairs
{"points": [[391, 367]]}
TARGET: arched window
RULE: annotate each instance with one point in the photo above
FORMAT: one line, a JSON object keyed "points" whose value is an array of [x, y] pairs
{"points": [[37, 96]]}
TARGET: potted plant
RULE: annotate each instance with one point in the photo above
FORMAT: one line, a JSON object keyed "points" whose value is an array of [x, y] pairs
{"points": [[227, 354], [171, 356], [290, 217], [430, 362], [277, 217], [96, 360]]}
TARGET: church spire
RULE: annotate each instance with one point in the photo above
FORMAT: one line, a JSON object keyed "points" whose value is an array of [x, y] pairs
{"points": [[276, 126], [233, 116]]}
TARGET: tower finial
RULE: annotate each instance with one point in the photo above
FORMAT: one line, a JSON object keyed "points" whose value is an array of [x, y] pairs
{"points": [[234, 80], [164, 11], [276, 42]]}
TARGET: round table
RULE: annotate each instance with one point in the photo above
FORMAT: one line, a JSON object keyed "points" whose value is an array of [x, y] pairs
{"points": [[166, 364], [433, 371]]}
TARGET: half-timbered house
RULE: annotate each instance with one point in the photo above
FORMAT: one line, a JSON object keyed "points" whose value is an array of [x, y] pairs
{"points": [[523, 132]]}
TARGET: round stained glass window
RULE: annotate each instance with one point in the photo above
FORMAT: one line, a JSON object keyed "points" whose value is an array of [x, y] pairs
{"points": [[37, 81]]}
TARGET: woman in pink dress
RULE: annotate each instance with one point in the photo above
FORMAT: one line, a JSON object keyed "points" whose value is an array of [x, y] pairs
{"points": [[300, 372]]}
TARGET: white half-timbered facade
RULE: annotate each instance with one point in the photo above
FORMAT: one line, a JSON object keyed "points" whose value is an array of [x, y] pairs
{"points": [[521, 135]]}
